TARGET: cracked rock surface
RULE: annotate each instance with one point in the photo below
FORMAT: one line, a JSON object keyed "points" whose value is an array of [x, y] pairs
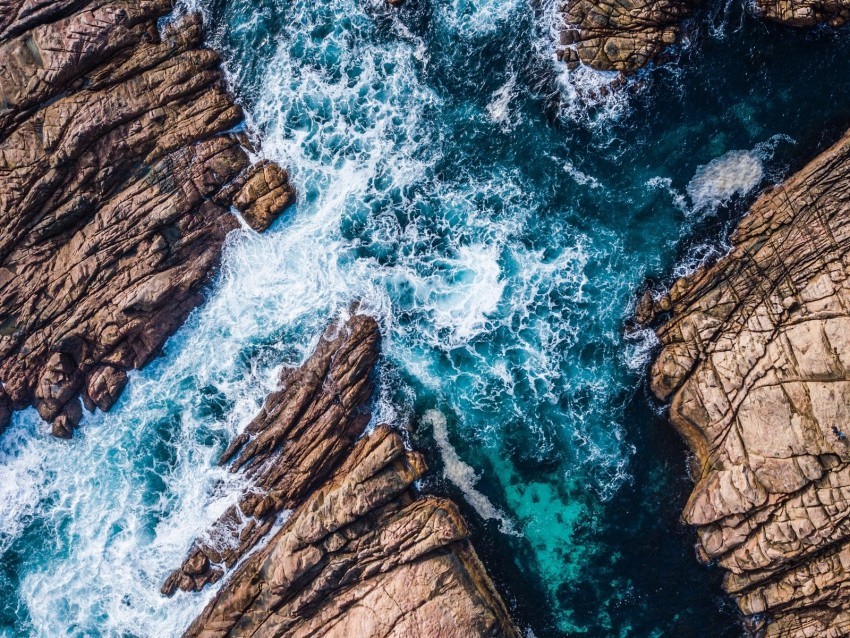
{"points": [[805, 13], [755, 363], [117, 173], [619, 35], [362, 554]]}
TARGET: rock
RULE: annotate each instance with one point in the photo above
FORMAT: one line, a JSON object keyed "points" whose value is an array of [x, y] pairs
{"points": [[264, 196], [805, 13], [116, 178], [362, 555], [291, 446], [625, 35], [619, 35], [755, 363]]}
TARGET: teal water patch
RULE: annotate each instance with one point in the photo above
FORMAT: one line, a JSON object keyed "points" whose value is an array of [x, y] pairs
{"points": [[496, 214]]}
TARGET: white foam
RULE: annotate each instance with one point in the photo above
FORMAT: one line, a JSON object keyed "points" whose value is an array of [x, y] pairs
{"points": [[731, 174], [463, 475], [665, 184], [469, 19], [499, 108], [580, 177], [639, 348]]}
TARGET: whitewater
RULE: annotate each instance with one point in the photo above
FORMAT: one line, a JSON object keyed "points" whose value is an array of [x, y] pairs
{"points": [[497, 215]]}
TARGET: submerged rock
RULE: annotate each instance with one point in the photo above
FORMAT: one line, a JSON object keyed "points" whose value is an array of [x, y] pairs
{"points": [[362, 555], [117, 171], [755, 363]]}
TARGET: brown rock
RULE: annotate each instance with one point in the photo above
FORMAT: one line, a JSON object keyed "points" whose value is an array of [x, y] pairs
{"points": [[264, 196], [291, 446], [756, 366], [619, 35], [805, 13], [115, 183], [361, 555]]}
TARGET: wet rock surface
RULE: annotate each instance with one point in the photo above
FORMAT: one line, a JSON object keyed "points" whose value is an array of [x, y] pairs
{"points": [[361, 554], [755, 363], [619, 35], [118, 167]]}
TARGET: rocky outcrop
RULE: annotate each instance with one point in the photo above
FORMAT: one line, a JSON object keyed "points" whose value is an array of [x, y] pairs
{"points": [[619, 35], [362, 555], [805, 13], [290, 447], [118, 167], [755, 363], [625, 35]]}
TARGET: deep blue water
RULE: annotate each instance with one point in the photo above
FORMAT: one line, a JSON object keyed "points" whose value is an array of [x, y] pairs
{"points": [[498, 217]]}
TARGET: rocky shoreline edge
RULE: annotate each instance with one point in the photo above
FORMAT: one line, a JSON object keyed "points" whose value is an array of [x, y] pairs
{"points": [[119, 163], [626, 35], [755, 367], [359, 552], [121, 159]]}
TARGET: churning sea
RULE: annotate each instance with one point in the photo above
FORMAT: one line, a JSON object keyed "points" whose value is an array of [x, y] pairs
{"points": [[497, 214]]}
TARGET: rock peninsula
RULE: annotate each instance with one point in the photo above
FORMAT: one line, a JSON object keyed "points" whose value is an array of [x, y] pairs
{"points": [[358, 552]]}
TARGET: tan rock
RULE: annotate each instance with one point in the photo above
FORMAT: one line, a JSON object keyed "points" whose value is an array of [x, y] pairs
{"points": [[806, 13], [291, 446], [619, 35], [756, 366], [264, 196]]}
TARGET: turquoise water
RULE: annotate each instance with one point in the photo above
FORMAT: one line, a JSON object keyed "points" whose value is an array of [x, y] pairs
{"points": [[497, 215]]}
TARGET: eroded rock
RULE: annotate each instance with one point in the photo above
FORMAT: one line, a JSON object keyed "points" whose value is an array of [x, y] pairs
{"points": [[756, 367], [619, 35], [361, 554], [805, 13], [291, 446], [116, 177]]}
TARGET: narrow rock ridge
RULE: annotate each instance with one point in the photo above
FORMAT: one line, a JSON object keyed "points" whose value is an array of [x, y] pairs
{"points": [[755, 363], [118, 167], [362, 555], [619, 35], [290, 447]]}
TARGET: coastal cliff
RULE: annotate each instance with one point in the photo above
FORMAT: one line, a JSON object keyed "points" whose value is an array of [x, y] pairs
{"points": [[361, 553], [118, 168], [755, 365]]}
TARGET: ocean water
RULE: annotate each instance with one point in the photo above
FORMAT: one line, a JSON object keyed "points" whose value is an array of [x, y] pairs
{"points": [[497, 214]]}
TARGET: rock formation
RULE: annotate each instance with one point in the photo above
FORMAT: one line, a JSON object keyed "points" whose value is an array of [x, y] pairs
{"points": [[755, 363], [805, 13], [625, 35], [118, 166], [619, 35], [362, 555]]}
